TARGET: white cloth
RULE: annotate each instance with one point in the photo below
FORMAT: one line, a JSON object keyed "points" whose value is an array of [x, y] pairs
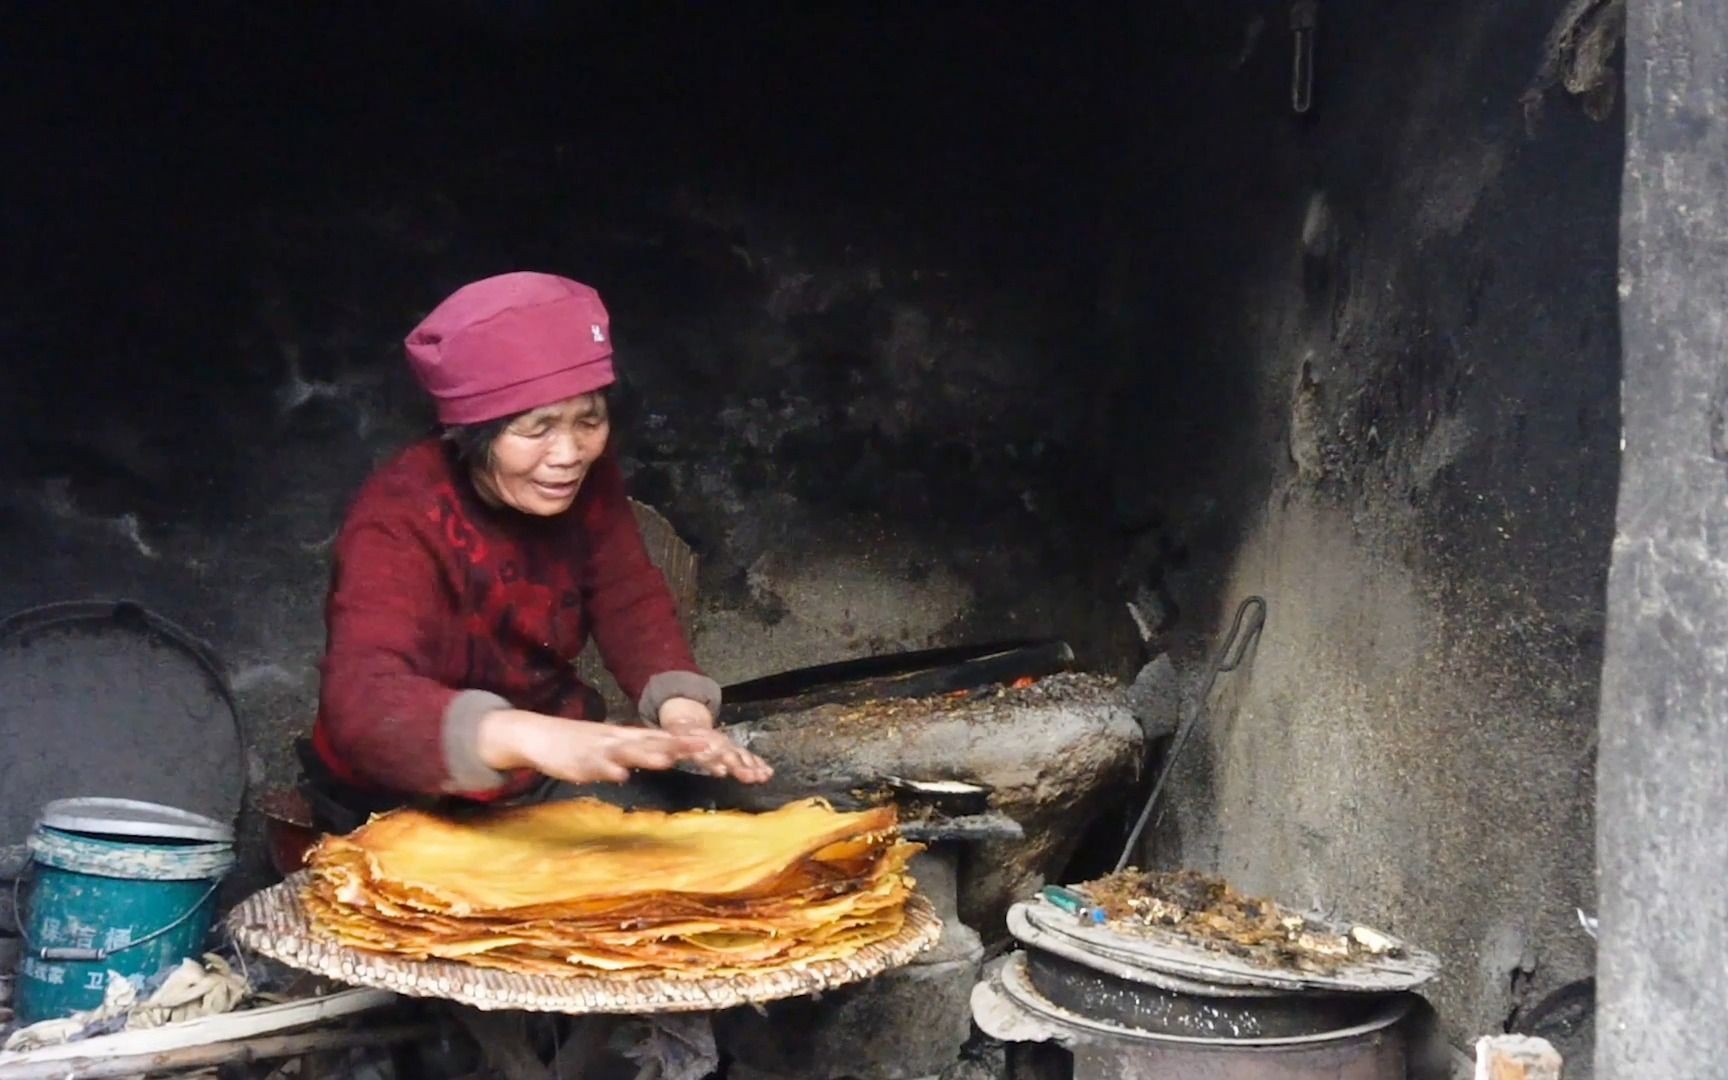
{"points": [[188, 991]]}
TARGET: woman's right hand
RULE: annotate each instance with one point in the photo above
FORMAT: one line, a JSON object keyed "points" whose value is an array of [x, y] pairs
{"points": [[577, 751]]}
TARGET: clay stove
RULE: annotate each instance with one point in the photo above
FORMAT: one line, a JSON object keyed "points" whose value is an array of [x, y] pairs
{"points": [[998, 781]]}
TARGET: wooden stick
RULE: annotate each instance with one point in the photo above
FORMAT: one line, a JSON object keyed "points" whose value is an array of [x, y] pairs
{"points": [[192, 1057], [209, 1030], [1516, 1057]]}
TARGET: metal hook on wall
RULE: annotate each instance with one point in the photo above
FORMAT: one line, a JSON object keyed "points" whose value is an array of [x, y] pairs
{"points": [[1304, 16], [1244, 631]]}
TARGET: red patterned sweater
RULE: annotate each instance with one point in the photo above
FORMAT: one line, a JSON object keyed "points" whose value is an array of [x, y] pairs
{"points": [[442, 608]]}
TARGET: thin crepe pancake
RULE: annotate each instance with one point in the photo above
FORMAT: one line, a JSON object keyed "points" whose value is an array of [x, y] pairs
{"points": [[586, 887], [586, 850]]}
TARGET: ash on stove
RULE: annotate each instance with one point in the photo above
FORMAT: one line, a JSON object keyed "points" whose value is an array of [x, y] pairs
{"points": [[1208, 911], [1069, 689]]}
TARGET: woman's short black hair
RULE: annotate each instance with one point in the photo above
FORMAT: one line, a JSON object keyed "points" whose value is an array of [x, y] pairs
{"points": [[473, 442]]}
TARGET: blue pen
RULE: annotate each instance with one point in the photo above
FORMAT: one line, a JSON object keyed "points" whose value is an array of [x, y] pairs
{"points": [[1073, 903]]}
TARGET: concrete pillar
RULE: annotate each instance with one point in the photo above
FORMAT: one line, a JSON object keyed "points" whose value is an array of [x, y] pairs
{"points": [[1662, 804]]}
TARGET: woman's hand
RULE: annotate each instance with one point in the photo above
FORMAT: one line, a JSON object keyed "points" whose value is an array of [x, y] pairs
{"points": [[720, 756], [580, 751]]}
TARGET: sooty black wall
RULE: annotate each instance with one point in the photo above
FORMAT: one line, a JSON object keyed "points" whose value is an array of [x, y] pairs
{"points": [[849, 262], [1370, 372], [935, 325]]}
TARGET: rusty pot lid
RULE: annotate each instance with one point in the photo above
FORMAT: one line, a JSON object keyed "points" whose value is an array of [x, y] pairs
{"points": [[112, 700]]}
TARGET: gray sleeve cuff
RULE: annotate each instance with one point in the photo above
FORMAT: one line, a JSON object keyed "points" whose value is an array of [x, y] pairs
{"points": [[671, 684], [466, 772]]}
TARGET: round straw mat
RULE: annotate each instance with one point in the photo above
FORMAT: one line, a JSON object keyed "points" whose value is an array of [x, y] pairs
{"points": [[274, 923]]}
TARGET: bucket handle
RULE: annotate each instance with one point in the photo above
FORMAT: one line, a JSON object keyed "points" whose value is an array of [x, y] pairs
{"points": [[97, 955]]}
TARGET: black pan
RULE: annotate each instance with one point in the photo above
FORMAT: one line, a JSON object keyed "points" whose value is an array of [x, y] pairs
{"points": [[895, 675]]}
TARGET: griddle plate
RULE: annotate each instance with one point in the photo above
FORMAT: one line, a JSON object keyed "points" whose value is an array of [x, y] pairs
{"points": [[1162, 951]]}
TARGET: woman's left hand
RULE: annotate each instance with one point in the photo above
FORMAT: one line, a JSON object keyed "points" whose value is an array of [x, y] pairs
{"points": [[723, 757]]}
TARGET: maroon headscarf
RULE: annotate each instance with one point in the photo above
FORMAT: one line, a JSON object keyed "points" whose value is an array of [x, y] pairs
{"points": [[510, 343]]}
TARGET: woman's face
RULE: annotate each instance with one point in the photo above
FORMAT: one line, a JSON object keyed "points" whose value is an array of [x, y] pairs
{"points": [[539, 460]]}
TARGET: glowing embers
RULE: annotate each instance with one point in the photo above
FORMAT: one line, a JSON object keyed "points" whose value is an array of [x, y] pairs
{"points": [[583, 887]]}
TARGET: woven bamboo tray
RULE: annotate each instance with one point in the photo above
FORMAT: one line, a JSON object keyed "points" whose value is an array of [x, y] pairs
{"points": [[272, 922]]}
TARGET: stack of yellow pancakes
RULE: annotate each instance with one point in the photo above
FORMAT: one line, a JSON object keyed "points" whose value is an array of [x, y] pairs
{"points": [[585, 888]]}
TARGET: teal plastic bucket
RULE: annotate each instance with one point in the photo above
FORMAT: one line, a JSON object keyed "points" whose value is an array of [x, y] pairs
{"points": [[116, 887]]}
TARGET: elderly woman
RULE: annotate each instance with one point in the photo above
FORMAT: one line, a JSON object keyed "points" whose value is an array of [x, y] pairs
{"points": [[473, 568]]}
